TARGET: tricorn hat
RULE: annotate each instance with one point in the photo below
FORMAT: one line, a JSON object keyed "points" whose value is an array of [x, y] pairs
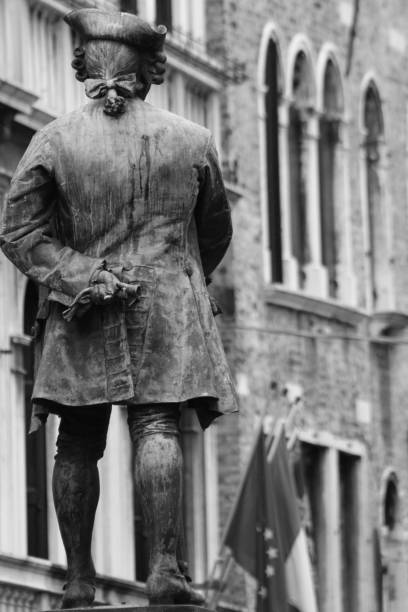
{"points": [[95, 24]]}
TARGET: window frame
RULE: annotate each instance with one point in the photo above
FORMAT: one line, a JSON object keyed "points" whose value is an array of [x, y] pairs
{"points": [[315, 278], [272, 34], [187, 25], [332, 447], [345, 274], [385, 300]]}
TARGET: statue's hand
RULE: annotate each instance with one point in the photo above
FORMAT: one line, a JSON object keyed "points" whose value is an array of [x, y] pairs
{"points": [[105, 286]]}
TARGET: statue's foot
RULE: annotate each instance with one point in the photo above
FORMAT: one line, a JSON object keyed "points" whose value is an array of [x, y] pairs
{"points": [[169, 587], [78, 594]]}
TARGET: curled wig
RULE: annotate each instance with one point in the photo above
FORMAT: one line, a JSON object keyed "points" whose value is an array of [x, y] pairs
{"points": [[116, 44]]}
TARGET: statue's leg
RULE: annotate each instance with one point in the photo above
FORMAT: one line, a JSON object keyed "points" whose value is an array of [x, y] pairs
{"points": [[158, 472], [80, 444]]}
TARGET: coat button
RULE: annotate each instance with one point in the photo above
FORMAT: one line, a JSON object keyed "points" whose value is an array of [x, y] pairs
{"points": [[188, 269]]}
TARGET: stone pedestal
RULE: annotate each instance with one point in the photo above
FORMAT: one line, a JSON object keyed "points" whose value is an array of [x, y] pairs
{"points": [[127, 608]]}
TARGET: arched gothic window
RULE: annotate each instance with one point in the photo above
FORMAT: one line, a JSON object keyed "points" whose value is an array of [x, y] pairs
{"points": [[390, 503], [328, 169], [37, 525], [299, 162], [272, 100], [374, 134]]}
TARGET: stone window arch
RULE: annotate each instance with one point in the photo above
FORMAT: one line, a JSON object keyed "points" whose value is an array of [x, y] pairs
{"points": [[377, 213], [390, 508], [272, 93], [330, 125]]}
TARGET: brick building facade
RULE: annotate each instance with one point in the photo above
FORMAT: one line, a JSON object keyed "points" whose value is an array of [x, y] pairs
{"points": [[315, 141]]}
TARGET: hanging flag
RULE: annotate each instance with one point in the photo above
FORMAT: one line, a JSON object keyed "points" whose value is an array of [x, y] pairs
{"points": [[265, 534], [251, 535]]}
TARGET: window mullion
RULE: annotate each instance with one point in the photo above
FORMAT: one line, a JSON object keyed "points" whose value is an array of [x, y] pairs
{"points": [[290, 264], [316, 275]]}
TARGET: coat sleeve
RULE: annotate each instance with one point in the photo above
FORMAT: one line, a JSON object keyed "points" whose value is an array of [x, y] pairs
{"points": [[212, 212], [26, 235]]}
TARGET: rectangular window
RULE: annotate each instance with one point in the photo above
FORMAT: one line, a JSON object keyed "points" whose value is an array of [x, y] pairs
{"points": [[129, 6], [49, 58], [36, 468], [196, 103], [37, 525], [349, 530], [314, 520], [164, 14], [272, 151]]}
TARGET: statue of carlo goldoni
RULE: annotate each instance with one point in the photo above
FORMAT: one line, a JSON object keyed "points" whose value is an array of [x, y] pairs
{"points": [[118, 212]]}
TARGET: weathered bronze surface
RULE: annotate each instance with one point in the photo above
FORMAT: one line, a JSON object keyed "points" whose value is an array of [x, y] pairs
{"points": [[140, 194], [119, 213]]}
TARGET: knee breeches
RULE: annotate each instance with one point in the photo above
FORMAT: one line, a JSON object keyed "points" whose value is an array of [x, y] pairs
{"points": [[83, 429]]}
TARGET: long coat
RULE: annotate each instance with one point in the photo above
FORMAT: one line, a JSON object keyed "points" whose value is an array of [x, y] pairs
{"points": [[142, 195]]}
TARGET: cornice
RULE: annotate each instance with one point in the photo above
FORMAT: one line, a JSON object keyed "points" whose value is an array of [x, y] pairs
{"points": [[16, 97]]}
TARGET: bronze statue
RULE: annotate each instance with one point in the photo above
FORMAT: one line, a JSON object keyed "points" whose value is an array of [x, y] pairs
{"points": [[119, 213]]}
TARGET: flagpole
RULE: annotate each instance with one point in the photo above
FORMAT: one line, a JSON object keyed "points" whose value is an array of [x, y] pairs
{"points": [[217, 581], [274, 439]]}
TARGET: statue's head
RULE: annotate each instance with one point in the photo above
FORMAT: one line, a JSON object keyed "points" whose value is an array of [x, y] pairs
{"points": [[121, 56]]}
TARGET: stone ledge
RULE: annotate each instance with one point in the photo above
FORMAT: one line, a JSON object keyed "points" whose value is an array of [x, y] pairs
{"points": [[325, 308], [15, 96], [125, 608], [388, 323]]}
